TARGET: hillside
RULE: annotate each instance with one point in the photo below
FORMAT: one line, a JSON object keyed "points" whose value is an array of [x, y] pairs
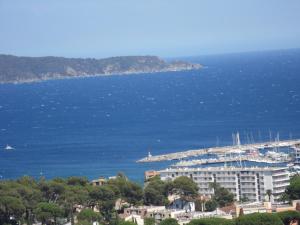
{"points": [[28, 69]]}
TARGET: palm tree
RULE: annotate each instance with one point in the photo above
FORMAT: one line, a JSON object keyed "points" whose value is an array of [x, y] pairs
{"points": [[269, 193], [241, 212]]}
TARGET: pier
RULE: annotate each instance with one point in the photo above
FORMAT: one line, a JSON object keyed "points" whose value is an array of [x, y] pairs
{"points": [[219, 150], [226, 160]]}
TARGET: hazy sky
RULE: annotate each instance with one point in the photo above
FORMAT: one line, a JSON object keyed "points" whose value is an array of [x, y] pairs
{"points": [[100, 28]]}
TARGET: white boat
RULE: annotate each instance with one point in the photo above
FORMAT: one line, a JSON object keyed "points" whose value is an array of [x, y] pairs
{"points": [[8, 147]]}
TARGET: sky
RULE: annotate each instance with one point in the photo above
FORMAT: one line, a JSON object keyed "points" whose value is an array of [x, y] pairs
{"points": [[167, 28]]}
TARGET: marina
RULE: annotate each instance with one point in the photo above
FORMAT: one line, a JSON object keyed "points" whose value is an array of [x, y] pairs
{"points": [[248, 170], [235, 149], [226, 160]]}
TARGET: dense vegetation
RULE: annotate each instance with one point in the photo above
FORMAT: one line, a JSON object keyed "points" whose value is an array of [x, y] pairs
{"points": [[222, 197], [293, 190], [25, 69], [57, 201], [282, 218], [212, 221], [289, 217], [156, 191], [29, 200], [259, 219]]}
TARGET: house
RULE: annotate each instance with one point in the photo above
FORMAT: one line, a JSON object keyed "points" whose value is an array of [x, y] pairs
{"points": [[182, 204], [265, 207], [99, 182], [159, 213], [120, 204], [135, 219], [150, 173], [141, 211], [163, 213]]}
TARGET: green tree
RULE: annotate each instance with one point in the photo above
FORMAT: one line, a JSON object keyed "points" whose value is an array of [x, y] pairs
{"points": [[259, 219], [289, 217], [30, 196], [211, 221], [155, 193], [24, 190], [221, 195], [284, 197], [52, 190], [211, 205], [185, 187], [129, 191], [154, 197], [89, 215], [48, 211], [269, 194], [74, 195], [103, 198], [169, 221], [10, 207], [48, 201], [134, 193], [293, 190], [78, 181], [244, 199]]}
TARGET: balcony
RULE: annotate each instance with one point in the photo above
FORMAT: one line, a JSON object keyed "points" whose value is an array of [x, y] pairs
{"points": [[280, 185], [281, 179], [280, 174]]}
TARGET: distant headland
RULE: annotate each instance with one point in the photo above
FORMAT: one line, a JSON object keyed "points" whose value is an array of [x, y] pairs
{"points": [[15, 69]]}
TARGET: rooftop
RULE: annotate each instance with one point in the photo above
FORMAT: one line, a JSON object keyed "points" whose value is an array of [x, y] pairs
{"points": [[256, 168]]}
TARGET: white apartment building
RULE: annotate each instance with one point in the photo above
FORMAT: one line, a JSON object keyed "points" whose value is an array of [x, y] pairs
{"points": [[244, 182], [297, 155]]}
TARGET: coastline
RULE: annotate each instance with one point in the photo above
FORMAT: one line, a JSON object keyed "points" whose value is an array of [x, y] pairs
{"points": [[22, 69], [64, 77]]}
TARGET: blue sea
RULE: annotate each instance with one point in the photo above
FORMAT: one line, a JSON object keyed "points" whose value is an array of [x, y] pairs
{"points": [[99, 126]]}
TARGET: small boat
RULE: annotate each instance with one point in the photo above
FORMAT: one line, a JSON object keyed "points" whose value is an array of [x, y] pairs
{"points": [[8, 147]]}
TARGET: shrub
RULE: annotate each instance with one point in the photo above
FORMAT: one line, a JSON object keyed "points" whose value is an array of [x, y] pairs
{"points": [[149, 221], [211, 205], [88, 215], [46, 211], [211, 221], [289, 216], [169, 221], [126, 223], [259, 219]]}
